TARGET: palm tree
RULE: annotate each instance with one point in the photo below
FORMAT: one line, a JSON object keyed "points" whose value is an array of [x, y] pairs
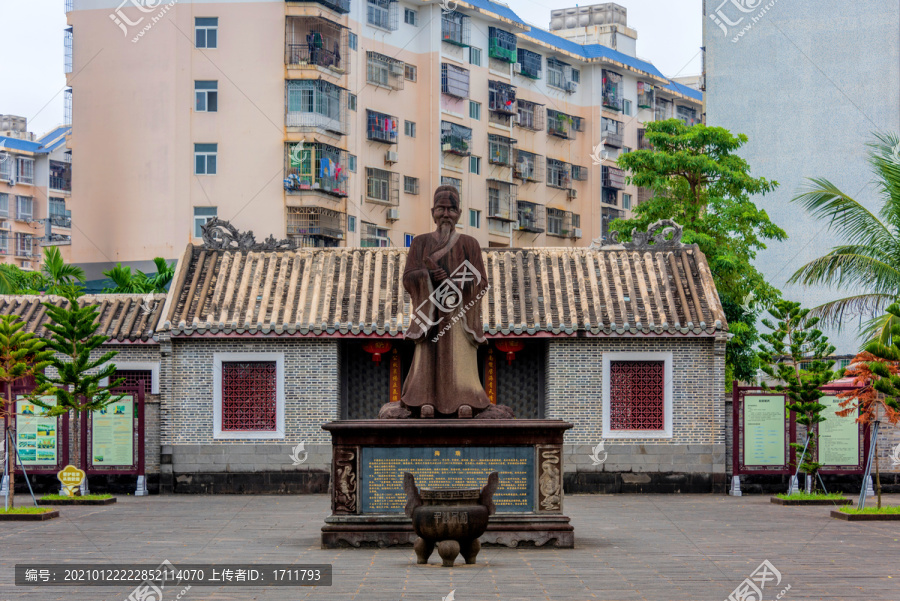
{"points": [[124, 281], [59, 273], [869, 261]]}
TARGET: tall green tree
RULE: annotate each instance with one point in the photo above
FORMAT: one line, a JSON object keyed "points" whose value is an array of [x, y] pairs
{"points": [[22, 356], [58, 273], [124, 281], [698, 181], [795, 354], [76, 374], [868, 261]]}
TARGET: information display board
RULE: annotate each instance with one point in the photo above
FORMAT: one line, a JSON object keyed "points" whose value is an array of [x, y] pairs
{"points": [[764, 432], [382, 470], [840, 438], [37, 436], [112, 434]]}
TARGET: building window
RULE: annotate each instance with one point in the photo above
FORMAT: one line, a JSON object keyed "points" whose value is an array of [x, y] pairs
{"points": [[626, 201], [382, 186], [207, 96], [206, 32], [500, 150], [24, 245], [529, 64], [409, 128], [612, 90], [353, 41], [579, 173], [557, 174], [384, 14], [202, 215], [24, 208], [410, 72], [531, 115], [26, 170], [610, 196], [475, 56], [475, 110], [134, 378], [626, 107], [351, 102], [248, 395], [373, 236], [454, 27], [474, 218], [410, 184], [59, 216], [381, 127], [68, 50], [454, 81], [637, 395], [8, 168], [383, 70], [555, 221], [315, 104], [351, 163], [205, 157], [4, 205], [502, 45], [576, 75], [410, 17], [475, 165], [407, 240], [528, 166], [351, 223]]}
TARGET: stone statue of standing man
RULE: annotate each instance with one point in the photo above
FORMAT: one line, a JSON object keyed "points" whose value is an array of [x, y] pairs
{"points": [[446, 279]]}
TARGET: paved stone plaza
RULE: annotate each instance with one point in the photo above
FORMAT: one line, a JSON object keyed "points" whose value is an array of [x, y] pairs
{"points": [[628, 547]]}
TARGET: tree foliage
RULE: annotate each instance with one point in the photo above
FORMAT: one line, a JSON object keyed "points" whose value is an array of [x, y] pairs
{"points": [[124, 281], [794, 340], [55, 274], [697, 180], [868, 260], [22, 356]]}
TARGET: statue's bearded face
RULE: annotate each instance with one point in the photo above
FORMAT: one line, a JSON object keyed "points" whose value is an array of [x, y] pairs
{"points": [[445, 214]]}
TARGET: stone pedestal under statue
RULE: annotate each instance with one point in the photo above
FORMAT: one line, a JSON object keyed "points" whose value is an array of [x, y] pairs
{"points": [[370, 458]]}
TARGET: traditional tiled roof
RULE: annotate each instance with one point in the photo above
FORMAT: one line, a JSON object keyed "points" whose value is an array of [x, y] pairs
{"points": [[123, 317], [358, 292]]}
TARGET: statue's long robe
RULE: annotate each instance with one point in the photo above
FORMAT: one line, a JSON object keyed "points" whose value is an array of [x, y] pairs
{"points": [[444, 373]]}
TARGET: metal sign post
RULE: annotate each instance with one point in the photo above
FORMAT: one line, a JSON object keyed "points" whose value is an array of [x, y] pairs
{"points": [[868, 473]]}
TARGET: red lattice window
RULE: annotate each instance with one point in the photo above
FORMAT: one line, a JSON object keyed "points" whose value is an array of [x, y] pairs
{"points": [[637, 395], [248, 396], [134, 376]]}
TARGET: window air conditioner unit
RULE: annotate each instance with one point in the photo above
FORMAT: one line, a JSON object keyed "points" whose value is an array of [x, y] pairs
{"points": [[397, 68], [391, 156], [393, 214], [578, 232], [571, 87], [517, 68], [572, 193], [515, 118]]}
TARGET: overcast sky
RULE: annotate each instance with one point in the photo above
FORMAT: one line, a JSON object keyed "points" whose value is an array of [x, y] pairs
{"points": [[31, 47]]}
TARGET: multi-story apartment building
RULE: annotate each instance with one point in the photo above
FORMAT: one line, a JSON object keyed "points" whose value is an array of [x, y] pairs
{"points": [[35, 192], [332, 121], [834, 68]]}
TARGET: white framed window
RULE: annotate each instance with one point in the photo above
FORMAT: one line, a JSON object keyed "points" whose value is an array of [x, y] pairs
{"points": [[475, 56], [626, 201], [26, 171], [410, 17], [637, 395], [205, 159], [228, 371], [351, 223], [4, 205], [475, 165], [410, 72], [353, 41], [202, 215], [206, 94], [351, 163], [409, 128], [206, 32], [24, 208], [351, 102], [475, 110], [626, 107], [474, 218], [410, 184]]}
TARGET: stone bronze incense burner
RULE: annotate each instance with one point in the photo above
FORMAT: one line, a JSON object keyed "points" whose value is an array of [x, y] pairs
{"points": [[450, 518]]}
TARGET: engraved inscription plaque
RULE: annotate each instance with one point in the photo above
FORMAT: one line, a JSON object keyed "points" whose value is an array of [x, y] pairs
{"points": [[382, 470]]}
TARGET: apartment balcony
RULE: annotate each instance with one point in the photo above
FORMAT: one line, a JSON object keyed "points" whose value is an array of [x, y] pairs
{"points": [[68, 35], [613, 178], [612, 132], [316, 168], [502, 45], [455, 139], [501, 200], [63, 221], [645, 95], [385, 71], [455, 28], [316, 226], [643, 142], [501, 98], [60, 176], [560, 125], [663, 110], [529, 63], [613, 103], [316, 106], [382, 128], [500, 150], [611, 91], [531, 217], [312, 42], [559, 174], [530, 115], [340, 6], [529, 167]]}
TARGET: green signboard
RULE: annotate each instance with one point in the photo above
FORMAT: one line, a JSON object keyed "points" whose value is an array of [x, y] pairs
{"points": [[36, 434], [764, 431], [112, 434], [838, 436]]}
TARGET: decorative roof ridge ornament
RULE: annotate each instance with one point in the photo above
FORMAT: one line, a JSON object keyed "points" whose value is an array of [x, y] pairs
{"points": [[221, 235], [652, 239]]}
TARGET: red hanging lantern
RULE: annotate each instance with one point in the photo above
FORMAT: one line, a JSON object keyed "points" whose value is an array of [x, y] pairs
{"points": [[510, 347], [377, 348]]}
